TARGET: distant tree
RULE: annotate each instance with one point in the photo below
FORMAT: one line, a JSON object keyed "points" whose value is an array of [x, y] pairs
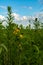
{"points": [[29, 24], [21, 26], [36, 24]]}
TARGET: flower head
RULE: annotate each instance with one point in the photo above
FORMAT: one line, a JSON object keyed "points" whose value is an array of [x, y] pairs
{"points": [[21, 36]]}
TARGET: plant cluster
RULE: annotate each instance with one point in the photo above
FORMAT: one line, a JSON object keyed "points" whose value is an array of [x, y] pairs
{"points": [[20, 46]]}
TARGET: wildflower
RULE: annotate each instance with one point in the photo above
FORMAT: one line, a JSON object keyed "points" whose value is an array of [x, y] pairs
{"points": [[17, 30], [14, 32], [21, 36]]}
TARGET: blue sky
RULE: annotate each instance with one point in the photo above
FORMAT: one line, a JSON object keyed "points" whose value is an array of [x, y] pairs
{"points": [[22, 7], [23, 10]]}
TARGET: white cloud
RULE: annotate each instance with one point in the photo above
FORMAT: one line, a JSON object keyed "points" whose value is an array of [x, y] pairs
{"points": [[3, 7], [16, 16], [2, 17], [24, 19], [39, 14], [4, 23]]}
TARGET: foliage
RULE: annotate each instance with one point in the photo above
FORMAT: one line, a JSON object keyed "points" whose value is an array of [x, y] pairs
{"points": [[24, 46]]}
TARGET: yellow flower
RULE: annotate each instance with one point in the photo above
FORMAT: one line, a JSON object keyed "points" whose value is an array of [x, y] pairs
{"points": [[17, 30], [14, 32], [21, 36]]}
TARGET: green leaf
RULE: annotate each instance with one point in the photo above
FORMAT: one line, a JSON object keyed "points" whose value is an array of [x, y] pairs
{"points": [[2, 45]]}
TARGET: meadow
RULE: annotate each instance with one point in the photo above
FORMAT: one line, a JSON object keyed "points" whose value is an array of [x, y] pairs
{"points": [[19, 45]]}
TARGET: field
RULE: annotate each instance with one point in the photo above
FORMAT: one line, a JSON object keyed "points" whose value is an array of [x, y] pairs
{"points": [[19, 45]]}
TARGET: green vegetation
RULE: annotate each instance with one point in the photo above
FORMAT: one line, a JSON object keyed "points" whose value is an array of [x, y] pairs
{"points": [[19, 45]]}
